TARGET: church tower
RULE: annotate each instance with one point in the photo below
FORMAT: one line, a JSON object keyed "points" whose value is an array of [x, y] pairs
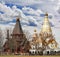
{"points": [[46, 34], [46, 28], [17, 29], [20, 43]]}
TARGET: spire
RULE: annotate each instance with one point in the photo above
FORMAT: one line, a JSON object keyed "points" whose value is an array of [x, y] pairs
{"points": [[17, 29], [35, 34], [35, 30], [17, 19], [46, 25], [46, 14]]}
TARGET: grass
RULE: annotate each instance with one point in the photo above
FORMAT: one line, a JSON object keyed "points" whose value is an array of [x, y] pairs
{"points": [[26, 56]]}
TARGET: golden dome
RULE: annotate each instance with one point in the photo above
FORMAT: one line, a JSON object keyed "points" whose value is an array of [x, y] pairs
{"points": [[46, 14], [35, 34], [35, 30]]}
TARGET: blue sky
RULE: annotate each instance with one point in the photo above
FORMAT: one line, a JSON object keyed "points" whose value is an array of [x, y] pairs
{"points": [[31, 13]]}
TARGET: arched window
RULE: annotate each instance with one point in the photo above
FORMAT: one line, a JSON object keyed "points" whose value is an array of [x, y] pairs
{"points": [[47, 52]]}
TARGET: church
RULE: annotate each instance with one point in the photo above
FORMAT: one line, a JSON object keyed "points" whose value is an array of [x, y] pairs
{"points": [[41, 42], [18, 43]]}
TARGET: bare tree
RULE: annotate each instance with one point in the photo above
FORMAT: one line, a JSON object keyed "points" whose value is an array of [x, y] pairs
{"points": [[28, 35], [1, 39]]}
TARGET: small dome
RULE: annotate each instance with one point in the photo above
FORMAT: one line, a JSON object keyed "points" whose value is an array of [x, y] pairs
{"points": [[46, 14], [35, 30], [35, 33]]}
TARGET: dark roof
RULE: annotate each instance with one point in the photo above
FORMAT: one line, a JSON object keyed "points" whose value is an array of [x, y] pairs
{"points": [[17, 29]]}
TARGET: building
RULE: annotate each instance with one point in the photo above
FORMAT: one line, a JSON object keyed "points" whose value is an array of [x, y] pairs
{"points": [[18, 43], [48, 40], [43, 41]]}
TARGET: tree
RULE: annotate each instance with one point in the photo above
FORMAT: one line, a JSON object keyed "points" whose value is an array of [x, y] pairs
{"points": [[28, 35], [1, 39]]}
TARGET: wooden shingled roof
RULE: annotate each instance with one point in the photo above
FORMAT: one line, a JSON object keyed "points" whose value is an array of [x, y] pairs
{"points": [[17, 29]]}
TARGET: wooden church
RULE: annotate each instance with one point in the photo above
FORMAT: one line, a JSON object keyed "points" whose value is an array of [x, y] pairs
{"points": [[18, 43]]}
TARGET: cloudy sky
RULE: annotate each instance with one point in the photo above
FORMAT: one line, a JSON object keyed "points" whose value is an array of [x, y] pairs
{"points": [[31, 13]]}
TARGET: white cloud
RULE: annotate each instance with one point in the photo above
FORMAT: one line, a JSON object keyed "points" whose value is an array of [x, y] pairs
{"points": [[9, 13], [6, 10], [23, 2], [42, 6], [31, 11]]}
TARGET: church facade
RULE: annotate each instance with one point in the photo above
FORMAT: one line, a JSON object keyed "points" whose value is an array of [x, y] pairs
{"points": [[43, 41], [18, 43]]}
